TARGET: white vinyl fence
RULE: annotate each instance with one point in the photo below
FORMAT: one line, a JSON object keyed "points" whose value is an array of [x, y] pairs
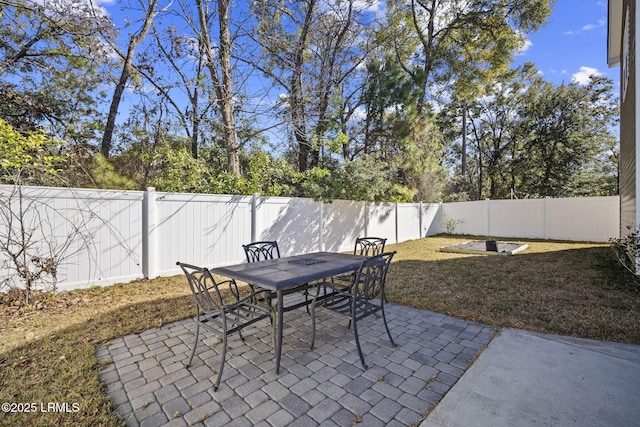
{"points": [[111, 236], [591, 219]]}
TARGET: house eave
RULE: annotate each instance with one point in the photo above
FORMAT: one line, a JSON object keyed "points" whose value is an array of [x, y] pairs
{"points": [[614, 31]]}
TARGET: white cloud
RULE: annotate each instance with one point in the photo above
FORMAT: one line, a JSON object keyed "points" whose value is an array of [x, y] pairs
{"points": [[359, 114], [601, 23], [375, 6], [582, 76], [526, 45]]}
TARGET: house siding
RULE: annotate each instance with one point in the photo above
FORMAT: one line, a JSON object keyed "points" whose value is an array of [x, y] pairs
{"points": [[628, 152]]}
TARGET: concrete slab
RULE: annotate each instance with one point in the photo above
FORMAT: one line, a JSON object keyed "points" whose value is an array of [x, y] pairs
{"points": [[525, 379]]}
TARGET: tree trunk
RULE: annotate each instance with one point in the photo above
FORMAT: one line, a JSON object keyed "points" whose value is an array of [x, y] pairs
{"points": [[464, 139], [223, 85], [298, 110], [127, 69], [226, 98]]}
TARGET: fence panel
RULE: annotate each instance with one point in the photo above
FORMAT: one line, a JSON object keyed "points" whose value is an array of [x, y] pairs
{"points": [[343, 222], [593, 219], [293, 222], [202, 229], [95, 234], [516, 218], [381, 221], [116, 223], [465, 218], [431, 219], [409, 221]]}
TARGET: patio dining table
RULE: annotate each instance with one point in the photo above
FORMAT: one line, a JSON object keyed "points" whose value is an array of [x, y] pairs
{"points": [[287, 273]]}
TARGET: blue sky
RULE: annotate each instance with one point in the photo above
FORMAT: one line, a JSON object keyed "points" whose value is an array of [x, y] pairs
{"points": [[573, 44]]}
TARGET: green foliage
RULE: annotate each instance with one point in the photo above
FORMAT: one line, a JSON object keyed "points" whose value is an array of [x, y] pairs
{"points": [[529, 137], [563, 130], [265, 175], [30, 158], [471, 42], [176, 170], [103, 175], [418, 161], [166, 165], [407, 141], [53, 60], [365, 178]]}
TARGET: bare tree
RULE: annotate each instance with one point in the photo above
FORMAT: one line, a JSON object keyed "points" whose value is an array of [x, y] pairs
{"points": [[32, 248], [128, 68], [219, 66], [310, 50]]}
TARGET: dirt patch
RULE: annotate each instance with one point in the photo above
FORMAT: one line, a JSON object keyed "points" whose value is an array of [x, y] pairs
{"points": [[13, 303]]}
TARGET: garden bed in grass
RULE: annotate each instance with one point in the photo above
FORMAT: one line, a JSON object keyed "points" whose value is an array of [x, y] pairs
{"points": [[486, 247]]}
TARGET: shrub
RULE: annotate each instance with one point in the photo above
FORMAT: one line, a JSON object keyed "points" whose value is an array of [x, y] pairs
{"points": [[627, 250]]}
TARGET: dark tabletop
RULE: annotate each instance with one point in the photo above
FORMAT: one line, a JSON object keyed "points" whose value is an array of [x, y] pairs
{"points": [[288, 272]]}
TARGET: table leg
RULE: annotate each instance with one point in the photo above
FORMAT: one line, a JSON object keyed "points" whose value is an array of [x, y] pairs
{"points": [[279, 327]]}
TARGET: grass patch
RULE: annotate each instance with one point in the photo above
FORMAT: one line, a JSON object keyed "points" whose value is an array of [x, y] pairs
{"points": [[47, 354], [573, 289]]}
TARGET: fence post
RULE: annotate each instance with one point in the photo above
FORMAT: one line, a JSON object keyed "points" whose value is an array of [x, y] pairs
{"points": [[488, 213], [149, 234], [254, 217], [366, 218], [420, 207], [321, 227], [397, 212], [545, 225]]}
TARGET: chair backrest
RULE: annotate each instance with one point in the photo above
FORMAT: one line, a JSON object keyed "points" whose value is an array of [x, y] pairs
{"points": [[260, 251], [203, 285], [369, 246], [371, 277]]}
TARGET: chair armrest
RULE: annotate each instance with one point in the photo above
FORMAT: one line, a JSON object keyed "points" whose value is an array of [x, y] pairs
{"points": [[345, 281], [254, 299]]}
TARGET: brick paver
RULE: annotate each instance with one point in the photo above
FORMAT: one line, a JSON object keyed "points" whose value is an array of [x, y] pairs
{"points": [[145, 376]]}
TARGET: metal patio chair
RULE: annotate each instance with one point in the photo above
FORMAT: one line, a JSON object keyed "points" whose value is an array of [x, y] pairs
{"points": [[260, 251], [366, 246], [265, 250], [220, 316], [365, 296], [369, 246]]}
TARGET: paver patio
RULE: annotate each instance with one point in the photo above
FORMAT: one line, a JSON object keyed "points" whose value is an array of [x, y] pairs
{"points": [[147, 381]]}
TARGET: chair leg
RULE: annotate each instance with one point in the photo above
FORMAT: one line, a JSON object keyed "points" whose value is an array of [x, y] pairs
{"points": [[313, 316], [384, 318], [313, 325], [224, 356], [272, 318], [306, 298], [355, 333], [195, 343]]}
